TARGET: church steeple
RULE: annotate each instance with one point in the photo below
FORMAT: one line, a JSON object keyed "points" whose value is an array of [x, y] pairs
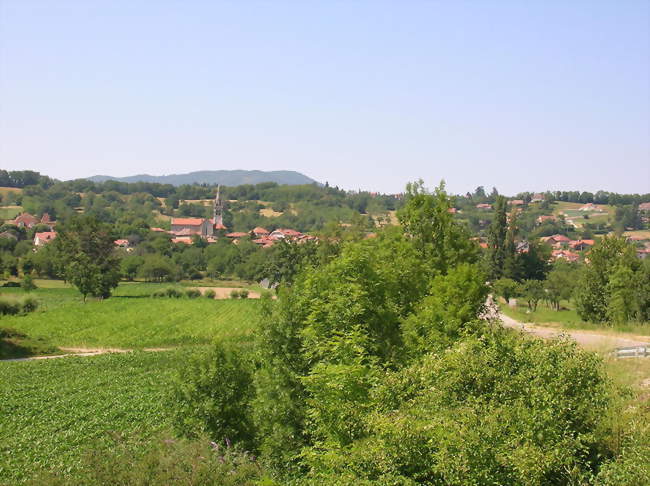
{"points": [[217, 210]]}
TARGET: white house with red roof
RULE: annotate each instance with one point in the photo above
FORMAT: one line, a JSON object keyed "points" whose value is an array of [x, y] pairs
{"points": [[44, 237]]}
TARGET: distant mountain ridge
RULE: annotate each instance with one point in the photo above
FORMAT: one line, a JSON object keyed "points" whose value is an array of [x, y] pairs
{"points": [[224, 177]]}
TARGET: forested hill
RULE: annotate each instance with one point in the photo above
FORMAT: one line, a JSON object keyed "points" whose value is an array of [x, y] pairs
{"points": [[224, 177]]}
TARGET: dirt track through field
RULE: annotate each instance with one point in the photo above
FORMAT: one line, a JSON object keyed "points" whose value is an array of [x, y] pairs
{"points": [[586, 339], [84, 352]]}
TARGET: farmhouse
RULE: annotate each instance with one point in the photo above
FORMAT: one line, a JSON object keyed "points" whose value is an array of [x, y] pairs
{"points": [[44, 237], [537, 197], [25, 220], [484, 206], [516, 202]]}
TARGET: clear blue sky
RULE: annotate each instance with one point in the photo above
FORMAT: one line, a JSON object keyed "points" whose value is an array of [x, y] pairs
{"points": [[522, 95]]}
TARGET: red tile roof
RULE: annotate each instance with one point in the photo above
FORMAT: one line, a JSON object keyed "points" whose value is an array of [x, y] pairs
{"points": [[187, 221], [260, 231], [45, 235], [25, 219], [236, 235]]}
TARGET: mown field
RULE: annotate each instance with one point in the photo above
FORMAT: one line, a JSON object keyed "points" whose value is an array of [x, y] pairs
{"points": [[53, 411]]}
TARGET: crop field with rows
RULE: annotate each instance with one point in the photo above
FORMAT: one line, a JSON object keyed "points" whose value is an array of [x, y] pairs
{"points": [[53, 411]]}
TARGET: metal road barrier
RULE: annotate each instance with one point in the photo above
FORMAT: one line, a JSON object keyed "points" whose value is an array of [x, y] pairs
{"points": [[632, 352]]}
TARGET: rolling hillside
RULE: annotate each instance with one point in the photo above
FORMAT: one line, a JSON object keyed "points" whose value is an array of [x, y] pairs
{"points": [[225, 177]]}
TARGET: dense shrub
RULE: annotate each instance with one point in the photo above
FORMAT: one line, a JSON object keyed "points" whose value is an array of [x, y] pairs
{"points": [[9, 307], [213, 396], [209, 294], [13, 307], [173, 292], [193, 293], [243, 294], [29, 304], [234, 294]]}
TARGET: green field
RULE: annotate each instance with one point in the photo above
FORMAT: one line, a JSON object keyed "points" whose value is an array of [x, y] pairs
{"points": [[10, 212], [131, 319], [53, 411]]}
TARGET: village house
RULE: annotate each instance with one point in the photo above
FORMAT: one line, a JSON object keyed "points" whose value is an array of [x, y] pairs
{"points": [[260, 232], [280, 234], [516, 202], [581, 245], [567, 255], [25, 220], [484, 206], [122, 243], [544, 218], [44, 237], [556, 240], [590, 207], [537, 197]]}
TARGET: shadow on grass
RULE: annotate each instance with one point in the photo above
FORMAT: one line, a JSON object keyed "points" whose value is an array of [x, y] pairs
{"points": [[15, 344]]}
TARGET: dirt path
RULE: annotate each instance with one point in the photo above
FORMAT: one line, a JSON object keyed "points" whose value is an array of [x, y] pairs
{"points": [[84, 352], [588, 339]]}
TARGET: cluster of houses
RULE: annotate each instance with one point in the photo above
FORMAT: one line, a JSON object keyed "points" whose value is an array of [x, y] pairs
{"points": [[26, 220], [183, 229]]}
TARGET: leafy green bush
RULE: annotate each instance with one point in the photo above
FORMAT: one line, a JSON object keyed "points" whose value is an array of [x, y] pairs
{"points": [[9, 307], [28, 283], [193, 293], [12, 307], [234, 294], [29, 304], [213, 395], [209, 294], [243, 294], [173, 292]]}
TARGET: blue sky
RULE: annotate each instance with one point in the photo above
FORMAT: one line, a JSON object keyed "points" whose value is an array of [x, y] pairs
{"points": [[527, 95]]}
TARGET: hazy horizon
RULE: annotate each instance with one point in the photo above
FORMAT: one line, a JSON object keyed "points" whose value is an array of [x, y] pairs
{"points": [[364, 95]]}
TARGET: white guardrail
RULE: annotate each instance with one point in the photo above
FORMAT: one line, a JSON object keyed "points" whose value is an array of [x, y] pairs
{"points": [[632, 352]]}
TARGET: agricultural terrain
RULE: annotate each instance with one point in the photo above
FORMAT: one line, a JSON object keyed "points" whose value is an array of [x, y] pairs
{"points": [[53, 411]]}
